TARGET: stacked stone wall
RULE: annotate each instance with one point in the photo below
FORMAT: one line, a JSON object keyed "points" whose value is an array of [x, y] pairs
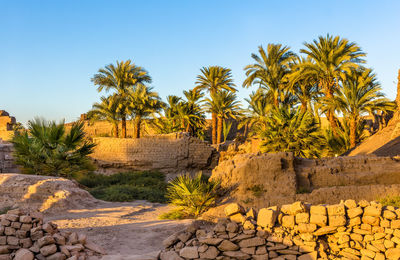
{"points": [[166, 153], [349, 230], [24, 236], [7, 164]]}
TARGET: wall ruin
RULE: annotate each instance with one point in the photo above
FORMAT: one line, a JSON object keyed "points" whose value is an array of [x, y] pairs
{"points": [[6, 125], [276, 179], [170, 153]]}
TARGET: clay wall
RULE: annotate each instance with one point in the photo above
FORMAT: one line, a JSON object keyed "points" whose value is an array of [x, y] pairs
{"points": [[166, 153], [6, 160], [276, 179]]}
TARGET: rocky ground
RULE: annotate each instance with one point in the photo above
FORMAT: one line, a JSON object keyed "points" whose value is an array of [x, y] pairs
{"points": [[127, 230]]}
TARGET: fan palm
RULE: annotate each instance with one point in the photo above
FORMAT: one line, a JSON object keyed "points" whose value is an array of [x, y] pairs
{"points": [[122, 78], [224, 105], [270, 69], [330, 60], [359, 94], [214, 79], [143, 102], [48, 149], [290, 130], [108, 109]]}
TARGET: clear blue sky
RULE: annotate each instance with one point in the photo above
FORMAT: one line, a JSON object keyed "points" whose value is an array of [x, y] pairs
{"points": [[49, 50]]}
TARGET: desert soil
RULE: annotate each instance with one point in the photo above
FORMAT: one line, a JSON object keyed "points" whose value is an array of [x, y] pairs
{"points": [[127, 230]]}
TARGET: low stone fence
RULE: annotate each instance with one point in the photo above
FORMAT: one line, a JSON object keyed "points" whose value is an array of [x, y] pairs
{"points": [[349, 230], [25, 237]]}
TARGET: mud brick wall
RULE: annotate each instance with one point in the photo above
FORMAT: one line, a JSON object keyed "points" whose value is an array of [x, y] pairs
{"points": [[349, 230], [165, 153]]}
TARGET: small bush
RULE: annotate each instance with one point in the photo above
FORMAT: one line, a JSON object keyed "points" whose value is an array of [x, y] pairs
{"points": [[193, 195], [126, 186], [257, 190], [303, 190], [173, 214], [390, 201]]}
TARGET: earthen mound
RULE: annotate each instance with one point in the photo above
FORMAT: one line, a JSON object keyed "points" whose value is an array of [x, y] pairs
{"points": [[42, 193]]}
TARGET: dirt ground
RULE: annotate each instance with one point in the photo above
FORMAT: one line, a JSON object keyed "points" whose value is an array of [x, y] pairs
{"points": [[127, 230]]}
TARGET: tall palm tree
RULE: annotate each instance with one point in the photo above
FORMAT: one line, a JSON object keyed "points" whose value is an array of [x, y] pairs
{"points": [[214, 79], [305, 89], [224, 104], [143, 102], [108, 109], [121, 78], [331, 59], [360, 94], [270, 69]]}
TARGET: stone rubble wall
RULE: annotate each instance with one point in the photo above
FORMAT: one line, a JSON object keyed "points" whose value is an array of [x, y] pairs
{"points": [[349, 230], [262, 180], [24, 236], [6, 125], [6, 159], [166, 153]]}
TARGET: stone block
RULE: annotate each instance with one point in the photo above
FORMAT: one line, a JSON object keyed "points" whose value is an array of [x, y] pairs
{"points": [[267, 217], [302, 218], [232, 209], [337, 220]]}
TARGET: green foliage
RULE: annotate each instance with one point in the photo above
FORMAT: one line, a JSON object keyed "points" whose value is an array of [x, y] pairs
{"points": [[4, 210], [127, 186], [193, 195], [173, 215], [257, 190], [290, 130], [46, 149], [226, 128], [390, 201]]}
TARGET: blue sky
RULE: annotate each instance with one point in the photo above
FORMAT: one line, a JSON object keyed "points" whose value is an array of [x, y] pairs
{"points": [[49, 50]]}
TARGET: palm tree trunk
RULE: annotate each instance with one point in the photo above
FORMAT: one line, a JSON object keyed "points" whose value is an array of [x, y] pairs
{"points": [[138, 121], [331, 114], [123, 126], [188, 128], [220, 123], [116, 129], [353, 128], [214, 128]]}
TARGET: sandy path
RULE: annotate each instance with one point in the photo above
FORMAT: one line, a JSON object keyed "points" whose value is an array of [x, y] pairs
{"points": [[123, 229]]}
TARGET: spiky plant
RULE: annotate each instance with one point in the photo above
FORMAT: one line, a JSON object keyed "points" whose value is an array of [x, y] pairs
{"points": [[193, 194], [290, 130], [48, 149]]}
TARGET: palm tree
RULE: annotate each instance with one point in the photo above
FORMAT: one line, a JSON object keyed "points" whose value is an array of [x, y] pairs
{"points": [[305, 89], [290, 130], [121, 78], [270, 69], [224, 104], [358, 95], [142, 102], [330, 60], [108, 109], [214, 79], [47, 148]]}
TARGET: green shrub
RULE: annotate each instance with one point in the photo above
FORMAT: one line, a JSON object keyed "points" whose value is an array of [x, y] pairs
{"points": [[173, 214], [126, 186], [47, 149], [257, 190], [193, 195], [390, 201]]}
